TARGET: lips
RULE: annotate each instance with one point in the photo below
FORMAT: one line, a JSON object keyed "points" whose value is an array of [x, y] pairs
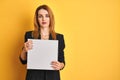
{"points": [[44, 22]]}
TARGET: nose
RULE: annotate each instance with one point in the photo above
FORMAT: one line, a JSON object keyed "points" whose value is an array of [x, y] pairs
{"points": [[43, 18]]}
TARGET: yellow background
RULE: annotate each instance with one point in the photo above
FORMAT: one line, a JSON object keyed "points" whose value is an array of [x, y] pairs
{"points": [[92, 34]]}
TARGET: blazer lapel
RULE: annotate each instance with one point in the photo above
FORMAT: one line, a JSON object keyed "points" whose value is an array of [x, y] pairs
{"points": [[50, 37]]}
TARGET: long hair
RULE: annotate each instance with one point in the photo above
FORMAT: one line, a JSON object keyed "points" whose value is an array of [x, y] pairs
{"points": [[36, 32]]}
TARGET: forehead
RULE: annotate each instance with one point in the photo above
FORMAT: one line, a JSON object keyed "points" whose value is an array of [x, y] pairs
{"points": [[42, 11]]}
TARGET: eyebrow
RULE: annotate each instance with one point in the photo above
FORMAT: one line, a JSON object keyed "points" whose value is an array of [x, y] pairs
{"points": [[41, 14]]}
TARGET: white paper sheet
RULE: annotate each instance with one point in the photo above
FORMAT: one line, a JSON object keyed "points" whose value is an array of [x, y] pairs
{"points": [[42, 54]]}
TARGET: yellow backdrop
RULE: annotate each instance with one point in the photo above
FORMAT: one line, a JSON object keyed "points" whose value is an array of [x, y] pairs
{"points": [[91, 30]]}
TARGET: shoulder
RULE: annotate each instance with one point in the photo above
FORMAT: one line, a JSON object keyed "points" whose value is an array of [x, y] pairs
{"points": [[28, 34], [59, 36]]}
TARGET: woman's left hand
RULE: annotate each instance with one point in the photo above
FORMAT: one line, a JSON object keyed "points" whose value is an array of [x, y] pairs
{"points": [[57, 65]]}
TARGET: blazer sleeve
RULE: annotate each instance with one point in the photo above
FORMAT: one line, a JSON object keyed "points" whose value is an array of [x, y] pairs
{"points": [[25, 39], [61, 47]]}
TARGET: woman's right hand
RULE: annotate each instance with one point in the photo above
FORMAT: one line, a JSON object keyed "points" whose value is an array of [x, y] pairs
{"points": [[28, 45]]}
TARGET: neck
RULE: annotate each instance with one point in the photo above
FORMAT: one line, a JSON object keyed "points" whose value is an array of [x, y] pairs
{"points": [[44, 31]]}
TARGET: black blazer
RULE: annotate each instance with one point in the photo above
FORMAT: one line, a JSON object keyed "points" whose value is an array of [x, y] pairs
{"points": [[46, 74]]}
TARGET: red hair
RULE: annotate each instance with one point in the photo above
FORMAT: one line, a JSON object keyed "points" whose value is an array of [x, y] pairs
{"points": [[36, 32]]}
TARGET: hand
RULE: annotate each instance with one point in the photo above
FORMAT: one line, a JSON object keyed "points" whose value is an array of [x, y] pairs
{"points": [[28, 45], [57, 65]]}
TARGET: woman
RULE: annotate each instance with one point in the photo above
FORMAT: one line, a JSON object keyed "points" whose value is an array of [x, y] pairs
{"points": [[44, 29]]}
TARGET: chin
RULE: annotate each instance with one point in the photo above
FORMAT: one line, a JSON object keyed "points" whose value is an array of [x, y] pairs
{"points": [[45, 26]]}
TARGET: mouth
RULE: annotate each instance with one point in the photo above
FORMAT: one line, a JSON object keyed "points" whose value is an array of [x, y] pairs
{"points": [[44, 22]]}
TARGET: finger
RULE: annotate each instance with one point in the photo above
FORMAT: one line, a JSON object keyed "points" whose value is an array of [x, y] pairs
{"points": [[28, 45], [25, 45], [54, 62], [55, 67], [30, 41]]}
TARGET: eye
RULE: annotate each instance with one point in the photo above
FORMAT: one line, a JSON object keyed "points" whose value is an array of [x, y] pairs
{"points": [[39, 16], [47, 15]]}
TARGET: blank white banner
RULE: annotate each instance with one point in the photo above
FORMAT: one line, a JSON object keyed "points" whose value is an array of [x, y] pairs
{"points": [[42, 54]]}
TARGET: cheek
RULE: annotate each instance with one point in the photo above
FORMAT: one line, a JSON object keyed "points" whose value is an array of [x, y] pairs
{"points": [[40, 21], [48, 20]]}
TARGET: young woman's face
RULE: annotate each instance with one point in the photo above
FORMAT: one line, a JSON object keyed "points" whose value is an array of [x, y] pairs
{"points": [[43, 18]]}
